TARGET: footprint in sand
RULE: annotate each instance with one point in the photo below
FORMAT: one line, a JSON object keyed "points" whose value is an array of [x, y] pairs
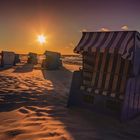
{"points": [[52, 134], [13, 133], [23, 110]]}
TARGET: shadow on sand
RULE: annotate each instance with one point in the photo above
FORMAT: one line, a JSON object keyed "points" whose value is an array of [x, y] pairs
{"points": [[60, 78], [14, 96], [24, 68], [5, 68], [45, 107]]}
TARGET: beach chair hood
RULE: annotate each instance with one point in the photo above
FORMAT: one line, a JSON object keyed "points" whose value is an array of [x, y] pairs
{"points": [[125, 43]]}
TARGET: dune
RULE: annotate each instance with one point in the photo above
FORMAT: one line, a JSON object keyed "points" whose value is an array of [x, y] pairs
{"points": [[33, 107]]}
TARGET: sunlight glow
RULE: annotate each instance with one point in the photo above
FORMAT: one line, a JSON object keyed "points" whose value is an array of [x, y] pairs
{"points": [[41, 39]]}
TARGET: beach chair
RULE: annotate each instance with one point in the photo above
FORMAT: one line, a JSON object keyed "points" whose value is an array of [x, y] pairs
{"points": [[52, 61], [17, 59], [7, 59], [109, 82], [32, 58]]}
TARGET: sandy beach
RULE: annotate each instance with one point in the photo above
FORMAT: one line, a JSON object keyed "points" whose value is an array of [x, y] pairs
{"points": [[33, 107]]}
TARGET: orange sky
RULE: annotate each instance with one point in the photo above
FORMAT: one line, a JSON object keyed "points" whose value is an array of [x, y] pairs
{"points": [[62, 21], [22, 38]]}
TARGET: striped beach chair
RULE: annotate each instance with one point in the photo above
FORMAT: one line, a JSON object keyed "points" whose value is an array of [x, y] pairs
{"points": [[109, 81]]}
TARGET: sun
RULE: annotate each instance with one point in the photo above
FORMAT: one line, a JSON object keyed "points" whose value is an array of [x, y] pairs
{"points": [[41, 39]]}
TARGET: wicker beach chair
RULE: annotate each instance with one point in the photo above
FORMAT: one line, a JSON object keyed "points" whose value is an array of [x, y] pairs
{"points": [[7, 59], [52, 60], [32, 58], [109, 81]]}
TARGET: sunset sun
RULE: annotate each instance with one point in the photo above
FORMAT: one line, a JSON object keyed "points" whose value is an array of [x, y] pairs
{"points": [[41, 39]]}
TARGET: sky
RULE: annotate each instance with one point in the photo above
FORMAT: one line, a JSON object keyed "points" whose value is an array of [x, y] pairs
{"points": [[61, 21]]}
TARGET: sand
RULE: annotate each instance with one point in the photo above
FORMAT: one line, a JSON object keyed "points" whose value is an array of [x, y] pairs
{"points": [[33, 107]]}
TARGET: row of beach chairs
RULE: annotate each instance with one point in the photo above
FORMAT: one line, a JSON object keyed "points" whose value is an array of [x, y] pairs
{"points": [[51, 61]]}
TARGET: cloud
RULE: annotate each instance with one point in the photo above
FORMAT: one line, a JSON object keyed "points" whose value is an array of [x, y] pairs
{"points": [[83, 30], [104, 29], [125, 27]]}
